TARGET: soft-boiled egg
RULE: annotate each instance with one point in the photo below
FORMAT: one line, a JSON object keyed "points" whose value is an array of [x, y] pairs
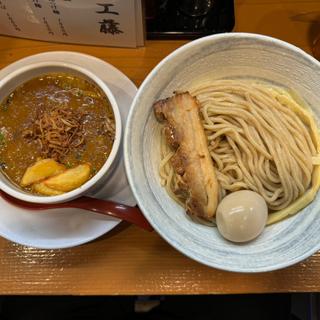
{"points": [[241, 216]]}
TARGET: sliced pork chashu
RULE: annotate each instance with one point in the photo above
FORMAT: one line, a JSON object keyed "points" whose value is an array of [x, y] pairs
{"points": [[185, 134]]}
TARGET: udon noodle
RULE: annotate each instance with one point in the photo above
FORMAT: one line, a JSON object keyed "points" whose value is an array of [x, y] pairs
{"points": [[260, 139]]}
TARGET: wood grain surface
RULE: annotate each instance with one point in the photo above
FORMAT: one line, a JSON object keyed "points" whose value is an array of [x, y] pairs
{"points": [[128, 260]]}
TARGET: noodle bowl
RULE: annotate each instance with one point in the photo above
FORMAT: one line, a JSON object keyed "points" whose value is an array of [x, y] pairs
{"points": [[237, 56]]}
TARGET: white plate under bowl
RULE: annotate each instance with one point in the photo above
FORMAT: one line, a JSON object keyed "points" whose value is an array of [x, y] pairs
{"points": [[63, 228], [216, 57]]}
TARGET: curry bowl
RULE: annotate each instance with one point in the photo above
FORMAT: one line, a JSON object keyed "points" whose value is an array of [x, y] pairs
{"points": [[74, 180], [238, 56]]}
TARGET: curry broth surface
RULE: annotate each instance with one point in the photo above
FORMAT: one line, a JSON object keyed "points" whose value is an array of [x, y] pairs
{"points": [[18, 113]]}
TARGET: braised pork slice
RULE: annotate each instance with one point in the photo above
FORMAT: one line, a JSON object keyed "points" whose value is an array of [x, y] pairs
{"points": [[185, 134]]}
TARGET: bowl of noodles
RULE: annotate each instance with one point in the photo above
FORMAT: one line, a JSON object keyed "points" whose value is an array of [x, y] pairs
{"points": [[222, 140]]}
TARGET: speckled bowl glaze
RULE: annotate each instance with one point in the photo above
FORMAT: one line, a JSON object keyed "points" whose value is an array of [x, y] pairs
{"points": [[216, 57]]}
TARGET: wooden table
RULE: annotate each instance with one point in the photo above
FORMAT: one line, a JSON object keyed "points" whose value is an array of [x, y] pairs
{"points": [[131, 261]]}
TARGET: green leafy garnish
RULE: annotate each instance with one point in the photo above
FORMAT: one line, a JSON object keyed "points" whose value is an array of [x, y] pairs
{"points": [[68, 165], [91, 94], [3, 165], [78, 156], [2, 138], [5, 105], [77, 92], [64, 86]]}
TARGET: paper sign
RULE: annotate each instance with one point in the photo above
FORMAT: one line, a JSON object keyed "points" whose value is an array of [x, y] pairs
{"points": [[98, 22]]}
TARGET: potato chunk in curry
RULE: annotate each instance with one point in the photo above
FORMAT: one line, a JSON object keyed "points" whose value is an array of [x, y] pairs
{"points": [[40, 170]]}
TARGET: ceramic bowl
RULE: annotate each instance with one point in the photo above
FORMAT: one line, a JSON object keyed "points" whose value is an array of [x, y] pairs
{"points": [[216, 57], [25, 73]]}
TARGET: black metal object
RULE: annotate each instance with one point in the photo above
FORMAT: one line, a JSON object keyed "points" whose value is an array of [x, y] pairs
{"points": [[169, 19]]}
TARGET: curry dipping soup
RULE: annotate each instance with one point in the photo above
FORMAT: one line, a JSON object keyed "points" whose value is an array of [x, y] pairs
{"points": [[56, 131]]}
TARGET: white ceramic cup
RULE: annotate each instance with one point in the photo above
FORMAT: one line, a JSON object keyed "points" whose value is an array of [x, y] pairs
{"points": [[18, 77]]}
